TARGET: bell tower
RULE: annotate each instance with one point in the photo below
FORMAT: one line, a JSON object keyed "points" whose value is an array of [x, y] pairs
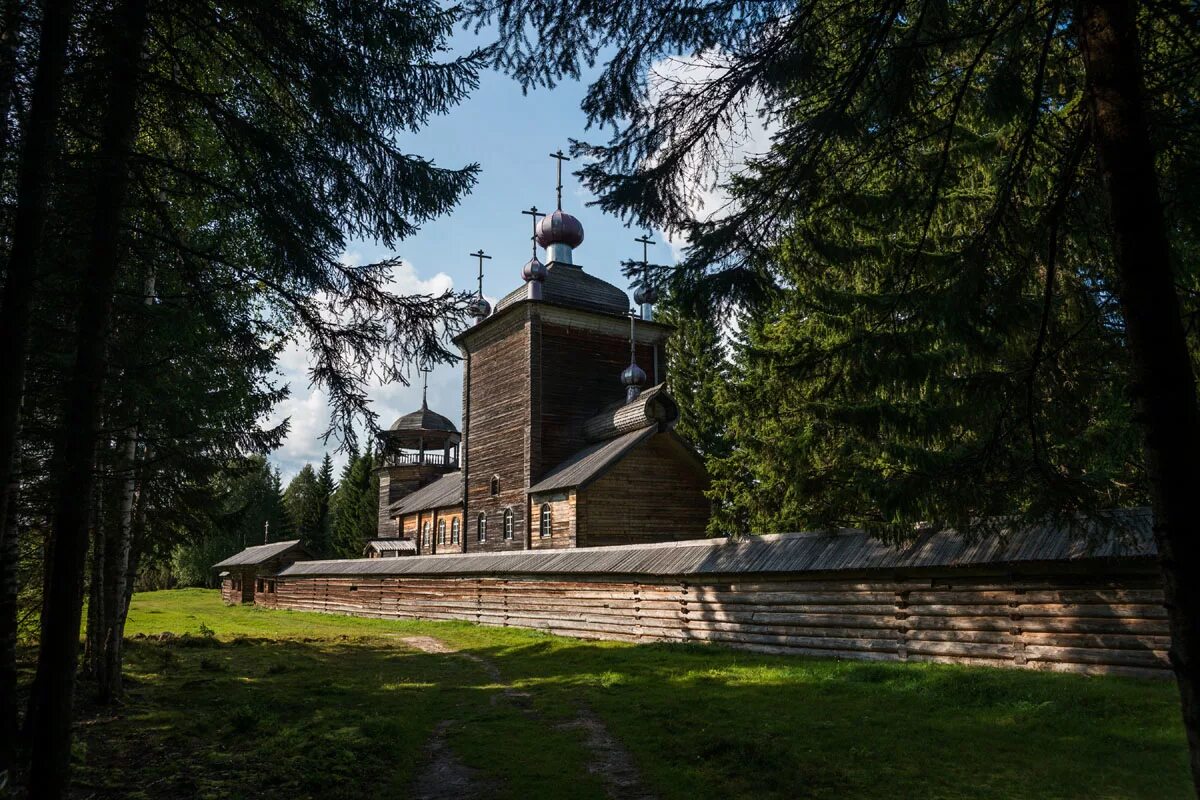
{"points": [[416, 450]]}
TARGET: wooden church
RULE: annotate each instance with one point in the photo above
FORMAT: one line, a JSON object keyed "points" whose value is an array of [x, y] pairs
{"points": [[567, 436]]}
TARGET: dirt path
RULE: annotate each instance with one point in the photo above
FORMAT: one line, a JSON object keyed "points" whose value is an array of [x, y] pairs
{"points": [[445, 776]]}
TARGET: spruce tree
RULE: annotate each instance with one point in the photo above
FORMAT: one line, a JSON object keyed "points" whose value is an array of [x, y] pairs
{"points": [[327, 484], [962, 247]]}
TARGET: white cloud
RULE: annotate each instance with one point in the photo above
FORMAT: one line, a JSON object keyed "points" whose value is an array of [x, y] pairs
{"points": [[749, 137], [308, 407]]}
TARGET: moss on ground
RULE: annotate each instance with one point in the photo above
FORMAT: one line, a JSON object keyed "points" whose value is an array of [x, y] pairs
{"points": [[275, 703]]}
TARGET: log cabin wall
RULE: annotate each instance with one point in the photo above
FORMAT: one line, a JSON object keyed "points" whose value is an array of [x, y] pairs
{"points": [[562, 520], [651, 495], [1104, 617], [397, 482], [449, 516], [578, 370], [497, 430], [231, 589]]}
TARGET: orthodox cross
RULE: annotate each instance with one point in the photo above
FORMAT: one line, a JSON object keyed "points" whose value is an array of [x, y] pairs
{"points": [[425, 370], [561, 158], [481, 256], [533, 212], [645, 242]]}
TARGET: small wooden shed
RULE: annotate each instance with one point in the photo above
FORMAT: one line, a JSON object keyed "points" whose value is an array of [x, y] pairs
{"points": [[250, 574]]}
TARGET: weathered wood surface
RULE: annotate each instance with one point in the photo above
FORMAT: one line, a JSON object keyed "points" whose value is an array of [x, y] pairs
{"points": [[1069, 622]]}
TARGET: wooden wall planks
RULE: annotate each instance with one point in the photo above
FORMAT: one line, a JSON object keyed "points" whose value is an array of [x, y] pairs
{"points": [[1110, 623]]}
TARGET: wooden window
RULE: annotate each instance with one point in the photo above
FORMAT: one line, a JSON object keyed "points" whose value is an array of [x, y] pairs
{"points": [[261, 586], [481, 527], [425, 534], [454, 531], [270, 587], [544, 526], [508, 523], [495, 485], [441, 531]]}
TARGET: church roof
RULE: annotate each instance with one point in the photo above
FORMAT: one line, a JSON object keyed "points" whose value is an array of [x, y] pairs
{"points": [[568, 285], [445, 491], [259, 554], [423, 420], [390, 546], [592, 462], [654, 406]]}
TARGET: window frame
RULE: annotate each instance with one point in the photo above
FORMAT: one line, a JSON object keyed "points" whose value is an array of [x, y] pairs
{"points": [[481, 527], [425, 530], [455, 530], [545, 521], [494, 485], [509, 524], [441, 533]]}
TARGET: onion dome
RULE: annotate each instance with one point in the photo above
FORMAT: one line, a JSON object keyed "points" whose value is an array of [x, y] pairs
{"points": [[644, 295], [633, 375], [480, 308], [533, 270], [559, 227]]}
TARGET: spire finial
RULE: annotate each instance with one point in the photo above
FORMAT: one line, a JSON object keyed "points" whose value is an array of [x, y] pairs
{"points": [[534, 213], [479, 254], [645, 295], [534, 271], [634, 377], [558, 154], [425, 370], [479, 307]]}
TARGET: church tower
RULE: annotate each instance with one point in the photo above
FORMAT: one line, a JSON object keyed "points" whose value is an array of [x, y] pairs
{"points": [[417, 449], [567, 437], [535, 371]]}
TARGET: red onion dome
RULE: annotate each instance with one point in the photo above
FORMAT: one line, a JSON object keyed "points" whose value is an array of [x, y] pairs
{"points": [[533, 270], [559, 228]]}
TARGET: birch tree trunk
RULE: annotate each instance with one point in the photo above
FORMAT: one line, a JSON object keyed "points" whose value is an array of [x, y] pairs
{"points": [[1164, 385]]}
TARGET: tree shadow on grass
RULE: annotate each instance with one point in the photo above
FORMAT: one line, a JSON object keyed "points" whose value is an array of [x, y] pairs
{"points": [[706, 721], [350, 717]]}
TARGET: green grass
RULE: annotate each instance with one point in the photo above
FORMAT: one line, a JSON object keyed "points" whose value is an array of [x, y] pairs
{"points": [[305, 705]]}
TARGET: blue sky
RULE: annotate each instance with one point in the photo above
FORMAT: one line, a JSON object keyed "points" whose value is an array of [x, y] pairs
{"points": [[510, 135]]}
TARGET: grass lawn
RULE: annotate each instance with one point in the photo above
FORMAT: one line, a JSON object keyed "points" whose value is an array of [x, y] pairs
{"points": [[295, 705]]}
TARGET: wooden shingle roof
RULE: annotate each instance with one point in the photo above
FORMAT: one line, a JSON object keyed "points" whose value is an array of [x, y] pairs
{"points": [[591, 462], [839, 551], [569, 285], [391, 546], [259, 554], [445, 491]]}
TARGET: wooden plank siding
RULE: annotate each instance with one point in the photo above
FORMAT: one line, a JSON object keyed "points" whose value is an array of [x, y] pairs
{"points": [[496, 433], [578, 373], [562, 520], [1068, 620], [654, 494]]}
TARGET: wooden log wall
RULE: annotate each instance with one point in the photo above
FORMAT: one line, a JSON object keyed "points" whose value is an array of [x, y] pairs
{"points": [[1073, 622]]}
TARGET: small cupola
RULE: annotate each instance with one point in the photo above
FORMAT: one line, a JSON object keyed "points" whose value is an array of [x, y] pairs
{"points": [[633, 377]]}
